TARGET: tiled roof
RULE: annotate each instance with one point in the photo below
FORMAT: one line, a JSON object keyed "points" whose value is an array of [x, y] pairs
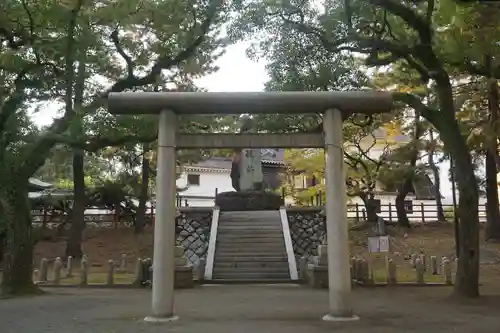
{"points": [[269, 156]]}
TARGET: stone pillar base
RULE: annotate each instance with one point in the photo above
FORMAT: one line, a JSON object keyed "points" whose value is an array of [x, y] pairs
{"points": [[329, 317], [184, 277], [157, 320], [318, 276]]}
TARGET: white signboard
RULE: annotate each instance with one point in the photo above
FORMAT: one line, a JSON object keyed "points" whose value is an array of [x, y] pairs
{"points": [[378, 244], [383, 244]]}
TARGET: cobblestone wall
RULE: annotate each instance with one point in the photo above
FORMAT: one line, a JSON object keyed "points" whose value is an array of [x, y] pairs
{"points": [[307, 229]]}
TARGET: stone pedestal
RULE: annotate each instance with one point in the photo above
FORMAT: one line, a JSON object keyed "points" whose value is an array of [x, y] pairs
{"points": [[184, 277], [318, 276], [183, 270], [322, 258], [248, 200]]}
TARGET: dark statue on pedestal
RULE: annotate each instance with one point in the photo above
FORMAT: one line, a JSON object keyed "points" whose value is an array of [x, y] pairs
{"points": [[247, 180]]}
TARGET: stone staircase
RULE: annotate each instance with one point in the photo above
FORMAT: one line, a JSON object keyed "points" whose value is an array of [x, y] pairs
{"points": [[250, 248]]}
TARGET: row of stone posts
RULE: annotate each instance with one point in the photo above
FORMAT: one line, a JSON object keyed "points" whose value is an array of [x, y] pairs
{"points": [[143, 270], [316, 273]]}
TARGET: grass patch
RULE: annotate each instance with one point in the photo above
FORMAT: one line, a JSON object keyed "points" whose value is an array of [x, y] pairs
{"points": [[404, 275], [99, 278]]}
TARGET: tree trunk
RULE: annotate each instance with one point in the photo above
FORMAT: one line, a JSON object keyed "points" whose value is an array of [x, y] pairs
{"points": [[437, 178], [371, 213], [492, 231], [77, 226], [140, 220], [407, 183], [17, 278], [403, 220], [467, 277], [74, 243]]}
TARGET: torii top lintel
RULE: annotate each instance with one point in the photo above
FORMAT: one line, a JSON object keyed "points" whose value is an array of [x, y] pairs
{"points": [[286, 102]]}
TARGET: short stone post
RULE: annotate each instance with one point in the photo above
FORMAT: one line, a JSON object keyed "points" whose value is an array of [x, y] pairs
{"points": [[57, 270], [363, 271], [84, 271], [423, 259], [368, 273], [303, 268], [391, 272], [183, 269], [110, 278], [360, 266], [420, 271], [69, 267], [447, 271], [138, 272], [200, 270], [434, 265], [35, 275], [180, 259], [123, 263], [322, 255], [42, 272], [413, 260], [147, 277], [354, 269]]}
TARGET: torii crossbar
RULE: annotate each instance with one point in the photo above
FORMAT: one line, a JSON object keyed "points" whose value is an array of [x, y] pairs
{"points": [[335, 106]]}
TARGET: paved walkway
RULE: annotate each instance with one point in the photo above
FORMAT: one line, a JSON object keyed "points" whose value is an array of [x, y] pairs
{"points": [[247, 309]]}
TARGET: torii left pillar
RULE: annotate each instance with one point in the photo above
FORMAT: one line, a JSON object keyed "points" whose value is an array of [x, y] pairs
{"points": [[162, 304]]}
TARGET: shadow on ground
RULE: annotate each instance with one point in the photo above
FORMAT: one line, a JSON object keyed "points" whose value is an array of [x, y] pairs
{"points": [[249, 309]]}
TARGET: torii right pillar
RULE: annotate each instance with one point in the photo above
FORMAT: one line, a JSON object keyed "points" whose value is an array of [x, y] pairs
{"points": [[339, 275]]}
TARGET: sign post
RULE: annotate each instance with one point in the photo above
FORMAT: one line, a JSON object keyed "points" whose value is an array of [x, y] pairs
{"points": [[379, 244]]}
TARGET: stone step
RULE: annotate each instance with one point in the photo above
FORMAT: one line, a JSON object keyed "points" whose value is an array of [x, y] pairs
{"points": [[249, 234], [250, 249], [249, 231], [254, 213], [254, 250], [221, 258], [251, 226], [251, 281], [275, 243], [249, 218], [249, 221], [279, 241], [250, 270], [251, 276], [245, 240], [255, 265]]}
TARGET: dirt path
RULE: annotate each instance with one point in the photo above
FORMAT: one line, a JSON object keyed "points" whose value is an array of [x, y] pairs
{"points": [[249, 309]]}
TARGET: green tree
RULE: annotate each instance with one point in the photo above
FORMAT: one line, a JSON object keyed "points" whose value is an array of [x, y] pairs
{"points": [[389, 32], [38, 62]]}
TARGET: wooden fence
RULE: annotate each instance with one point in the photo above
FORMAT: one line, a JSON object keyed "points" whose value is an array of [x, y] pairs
{"points": [[417, 212]]}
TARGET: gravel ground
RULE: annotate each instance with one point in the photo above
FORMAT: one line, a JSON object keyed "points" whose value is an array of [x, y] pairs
{"points": [[248, 309]]}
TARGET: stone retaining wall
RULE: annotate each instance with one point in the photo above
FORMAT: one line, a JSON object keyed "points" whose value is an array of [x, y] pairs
{"points": [[307, 229], [193, 231]]}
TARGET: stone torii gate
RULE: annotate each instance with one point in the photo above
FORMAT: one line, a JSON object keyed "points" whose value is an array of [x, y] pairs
{"points": [[335, 106]]}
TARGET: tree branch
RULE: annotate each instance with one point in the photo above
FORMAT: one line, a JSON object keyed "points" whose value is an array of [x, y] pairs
{"points": [[413, 101], [123, 54], [165, 62], [419, 23]]}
